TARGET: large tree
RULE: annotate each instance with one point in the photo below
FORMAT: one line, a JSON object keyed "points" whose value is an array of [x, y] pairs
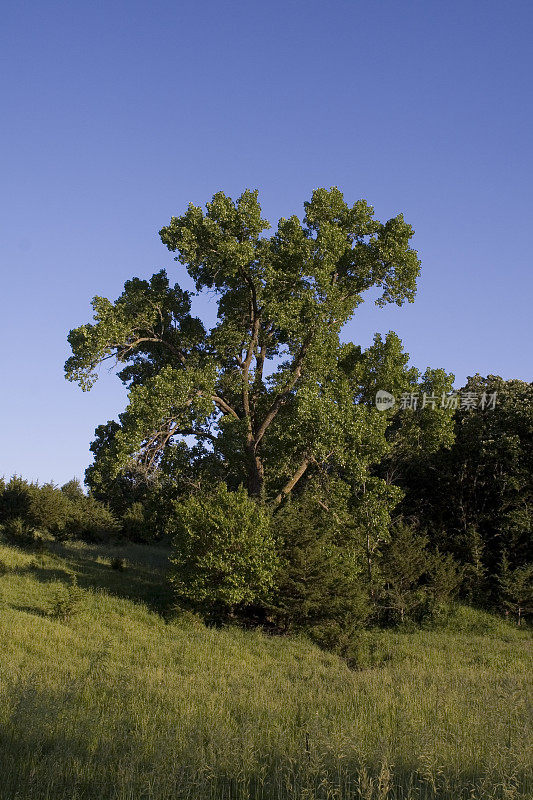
{"points": [[270, 396]]}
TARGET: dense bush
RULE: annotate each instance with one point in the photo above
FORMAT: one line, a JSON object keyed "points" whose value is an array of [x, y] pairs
{"points": [[138, 523], [224, 551], [15, 499], [308, 577], [516, 589], [90, 519], [66, 600], [29, 511]]}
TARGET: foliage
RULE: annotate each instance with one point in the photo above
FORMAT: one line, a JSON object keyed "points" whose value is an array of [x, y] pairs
{"points": [[224, 551], [18, 531], [516, 588], [15, 499], [28, 510], [476, 498], [318, 587], [73, 490], [414, 581], [66, 600], [270, 389], [136, 524], [445, 577], [472, 550], [404, 565], [49, 509], [91, 519], [271, 399]]}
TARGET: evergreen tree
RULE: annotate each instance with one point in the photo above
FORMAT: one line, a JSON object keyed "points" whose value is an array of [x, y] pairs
{"points": [[321, 586], [516, 587], [405, 563]]}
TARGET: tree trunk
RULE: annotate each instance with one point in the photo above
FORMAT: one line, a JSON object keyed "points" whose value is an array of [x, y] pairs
{"points": [[256, 476]]}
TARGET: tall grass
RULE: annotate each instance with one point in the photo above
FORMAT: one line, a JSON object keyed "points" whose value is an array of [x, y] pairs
{"points": [[117, 703]]}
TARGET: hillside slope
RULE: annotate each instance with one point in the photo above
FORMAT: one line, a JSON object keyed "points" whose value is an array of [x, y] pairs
{"points": [[114, 702]]}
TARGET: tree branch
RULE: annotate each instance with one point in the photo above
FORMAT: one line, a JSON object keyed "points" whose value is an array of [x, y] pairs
{"points": [[223, 405], [289, 486], [282, 398], [123, 349]]}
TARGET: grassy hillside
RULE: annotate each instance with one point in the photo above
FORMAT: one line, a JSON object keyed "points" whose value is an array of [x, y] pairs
{"points": [[114, 702]]}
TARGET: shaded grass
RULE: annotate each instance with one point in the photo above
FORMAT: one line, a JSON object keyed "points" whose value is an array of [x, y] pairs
{"points": [[118, 704], [143, 578]]}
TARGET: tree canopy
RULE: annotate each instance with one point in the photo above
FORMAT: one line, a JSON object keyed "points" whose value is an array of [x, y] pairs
{"points": [[270, 394]]}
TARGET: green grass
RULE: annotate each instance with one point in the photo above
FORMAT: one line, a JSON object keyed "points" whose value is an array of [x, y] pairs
{"points": [[114, 702]]}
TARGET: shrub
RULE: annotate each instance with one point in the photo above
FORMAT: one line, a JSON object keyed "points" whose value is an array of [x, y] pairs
{"points": [[15, 498], [73, 490], [118, 564], [48, 509], [19, 532], [66, 601], [516, 589], [135, 523], [64, 513], [224, 553], [90, 519], [445, 577]]}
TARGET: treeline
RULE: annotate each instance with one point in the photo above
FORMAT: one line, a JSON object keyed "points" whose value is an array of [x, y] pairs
{"points": [[475, 499], [31, 513], [461, 529]]}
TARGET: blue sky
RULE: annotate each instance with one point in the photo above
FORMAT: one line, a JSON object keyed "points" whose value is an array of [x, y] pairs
{"points": [[115, 115]]}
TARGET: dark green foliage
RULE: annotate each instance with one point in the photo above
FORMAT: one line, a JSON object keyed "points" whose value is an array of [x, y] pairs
{"points": [[319, 585], [15, 499], [118, 564], [49, 509], [444, 578], [472, 550], [476, 498], [516, 589], [29, 511], [404, 566], [91, 520], [73, 490], [138, 523], [414, 581], [41, 508], [19, 532]]}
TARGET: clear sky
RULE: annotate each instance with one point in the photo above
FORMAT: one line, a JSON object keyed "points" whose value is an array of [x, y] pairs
{"points": [[114, 115]]}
